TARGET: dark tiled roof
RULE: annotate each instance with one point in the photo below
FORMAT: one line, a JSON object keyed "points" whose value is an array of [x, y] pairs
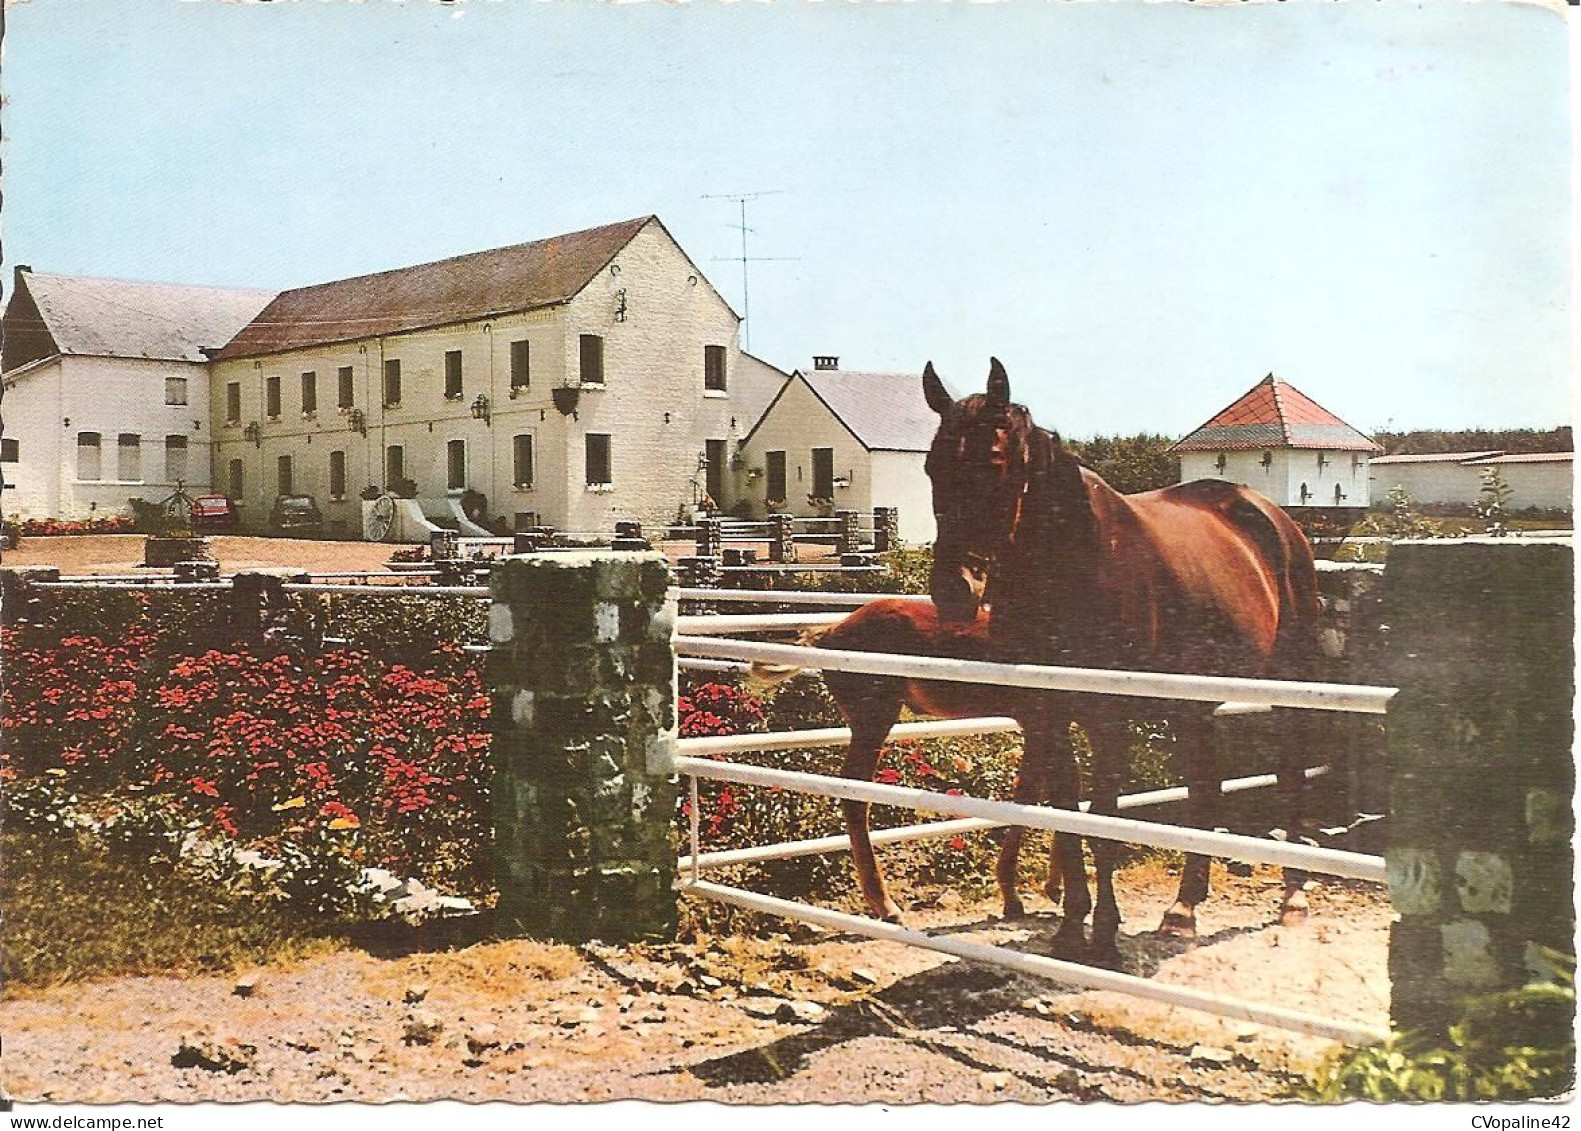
{"points": [[885, 411], [480, 285], [1275, 414], [121, 318]]}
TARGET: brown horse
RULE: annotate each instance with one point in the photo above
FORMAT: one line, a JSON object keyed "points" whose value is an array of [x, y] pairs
{"points": [[1206, 578], [871, 706]]}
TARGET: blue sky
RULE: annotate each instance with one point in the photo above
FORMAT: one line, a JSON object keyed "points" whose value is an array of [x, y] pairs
{"points": [[1140, 208]]}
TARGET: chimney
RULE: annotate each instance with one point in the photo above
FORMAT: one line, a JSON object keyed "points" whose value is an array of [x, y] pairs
{"points": [[825, 361]]}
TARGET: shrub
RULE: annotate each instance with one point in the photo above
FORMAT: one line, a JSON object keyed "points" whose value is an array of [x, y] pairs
{"points": [[1515, 1045]]}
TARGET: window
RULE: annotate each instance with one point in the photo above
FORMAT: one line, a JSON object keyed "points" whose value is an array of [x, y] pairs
{"points": [[526, 520], [452, 375], [714, 477], [129, 457], [592, 371], [9, 450], [521, 364], [233, 479], [598, 469], [347, 398], [1355, 462], [394, 465], [233, 402], [337, 475], [1322, 460], [175, 459], [776, 476], [272, 396], [175, 390], [456, 465], [714, 368], [282, 475], [823, 473], [1221, 463], [88, 465], [522, 451], [392, 382], [309, 392]]}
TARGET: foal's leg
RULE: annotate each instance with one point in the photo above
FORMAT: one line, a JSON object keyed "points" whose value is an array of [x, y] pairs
{"points": [[1110, 746], [1037, 752], [1195, 734], [872, 711]]}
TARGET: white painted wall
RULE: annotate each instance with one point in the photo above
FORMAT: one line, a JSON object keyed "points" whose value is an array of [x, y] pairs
{"points": [[1545, 484], [798, 423], [1288, 471], [653, 365], [900, 481], [110, 396]]}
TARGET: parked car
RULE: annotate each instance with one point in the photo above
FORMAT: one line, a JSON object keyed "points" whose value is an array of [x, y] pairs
{"points": [[297, 516], [214, 513]]}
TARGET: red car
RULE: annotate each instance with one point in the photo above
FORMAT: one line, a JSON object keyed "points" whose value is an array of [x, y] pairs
{"points": [[214, 512]]}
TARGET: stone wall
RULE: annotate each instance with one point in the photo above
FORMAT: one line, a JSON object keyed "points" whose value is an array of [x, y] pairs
{"points": [[1481, 645]]}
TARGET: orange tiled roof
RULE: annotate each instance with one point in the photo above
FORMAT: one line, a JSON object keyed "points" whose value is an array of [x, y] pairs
{"points": [[1275, 414]]}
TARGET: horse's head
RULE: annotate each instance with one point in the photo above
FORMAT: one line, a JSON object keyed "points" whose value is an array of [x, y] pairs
{"points": [[981, 465]]}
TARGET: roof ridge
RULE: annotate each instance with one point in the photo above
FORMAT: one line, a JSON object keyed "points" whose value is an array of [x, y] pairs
{"points": [[31, 275], [1279, 409], [639, 221]]}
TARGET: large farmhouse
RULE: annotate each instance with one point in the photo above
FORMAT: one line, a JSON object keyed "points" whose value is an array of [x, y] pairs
{"points": [[835, 438], [1281, 443], [106, 390], [570, 381]]}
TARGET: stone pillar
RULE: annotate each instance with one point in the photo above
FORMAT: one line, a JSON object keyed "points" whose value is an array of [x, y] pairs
{"points": [[443, 545], [782, 546], [850, 541], [258, 597], [582, 677], [886, 529], [1481, 646], [189, 573], [628, 536], [710, 537]]}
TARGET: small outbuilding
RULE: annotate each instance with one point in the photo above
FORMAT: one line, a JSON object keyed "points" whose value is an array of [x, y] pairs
{"points": [[836, 438], [1283, 444], [1544, 480]]}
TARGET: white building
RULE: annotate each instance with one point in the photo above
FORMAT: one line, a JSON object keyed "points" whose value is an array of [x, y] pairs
{"points": [[1282, 444], [106, 390], [571, 381], [834, 438], [1545, 480]]}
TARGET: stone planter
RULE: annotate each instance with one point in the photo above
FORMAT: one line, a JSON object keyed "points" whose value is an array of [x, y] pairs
{"points": [[161, 552]]}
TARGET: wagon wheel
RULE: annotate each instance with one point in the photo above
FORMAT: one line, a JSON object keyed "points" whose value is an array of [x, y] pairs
{"points": [[381, 518]]}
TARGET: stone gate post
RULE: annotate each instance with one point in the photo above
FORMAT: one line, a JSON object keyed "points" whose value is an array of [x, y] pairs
{"points": [[1481, 645], [582, 678]]}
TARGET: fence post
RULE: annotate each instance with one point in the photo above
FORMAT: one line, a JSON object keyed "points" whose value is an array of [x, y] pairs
{"points": [[258, 596], [1481, 646], [886, 529], [710, 537], [582, 679], [850, 542], [628, 536], [782, 546]]}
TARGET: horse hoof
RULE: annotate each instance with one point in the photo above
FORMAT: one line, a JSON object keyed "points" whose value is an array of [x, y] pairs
{"points": [[1070, 945], [1178, 926], [1293, 917], [1105, 955], [1015, 909]]}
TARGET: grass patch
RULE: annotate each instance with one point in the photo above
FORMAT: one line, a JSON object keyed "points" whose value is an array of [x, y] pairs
{"points": [[72, 912]]}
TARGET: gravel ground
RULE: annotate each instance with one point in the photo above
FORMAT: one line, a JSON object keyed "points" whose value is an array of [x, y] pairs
{"points": [[802, 1016]]}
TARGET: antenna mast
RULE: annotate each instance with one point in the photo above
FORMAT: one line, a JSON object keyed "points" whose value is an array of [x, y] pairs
{"points": [[744, 259]]}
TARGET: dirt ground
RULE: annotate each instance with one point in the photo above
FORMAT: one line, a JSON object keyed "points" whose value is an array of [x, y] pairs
{"points": [[793, 1017]]}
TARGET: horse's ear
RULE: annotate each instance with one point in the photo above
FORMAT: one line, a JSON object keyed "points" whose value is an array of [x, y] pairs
{"points": [[998, 384], [939, 399]]}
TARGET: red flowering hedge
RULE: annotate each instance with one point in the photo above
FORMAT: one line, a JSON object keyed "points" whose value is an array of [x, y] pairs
{"points": [[375, 760], [57, 527]]}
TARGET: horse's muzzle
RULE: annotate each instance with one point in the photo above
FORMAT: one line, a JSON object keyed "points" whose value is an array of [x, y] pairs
{"points": [[958, 593]]}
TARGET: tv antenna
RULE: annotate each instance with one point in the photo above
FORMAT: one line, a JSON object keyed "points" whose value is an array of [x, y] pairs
{"points": [[744, 259]]}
